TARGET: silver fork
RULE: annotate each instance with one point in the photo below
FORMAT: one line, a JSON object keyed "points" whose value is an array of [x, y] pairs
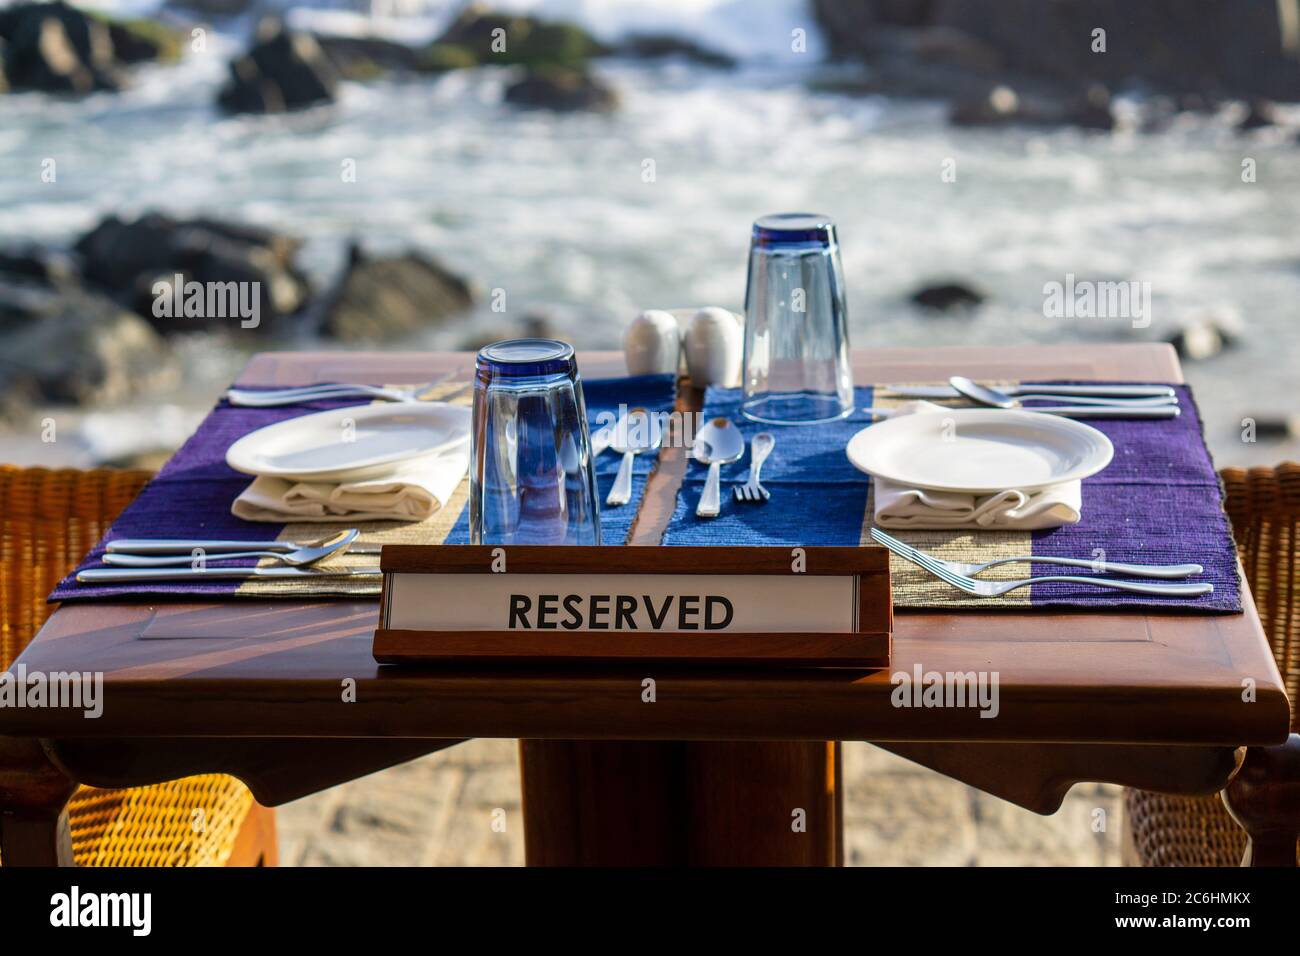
{"points": [[997, 588], [752, 491], [1098, 567]]}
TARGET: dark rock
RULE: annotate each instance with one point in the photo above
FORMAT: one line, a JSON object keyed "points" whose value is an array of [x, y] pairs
{"points": [[501, 39], [1275, 427], [115, 252], [143, 41], [534, 326], [1211, 49], [441, 57], [57, 48], [49, 267], [1206, 332], [363, 58], [561, 89], [385, 298], [282, 245], [943, 297], [282, 71], [71, 346], [1259, 115], [660, 46], [129, 258], [54, 48], [1092, 110], [1200, 340], [993, 108]]}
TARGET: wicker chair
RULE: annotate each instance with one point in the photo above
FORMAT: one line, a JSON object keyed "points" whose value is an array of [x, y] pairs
{"points": [[48, 520], [1264, 506]]}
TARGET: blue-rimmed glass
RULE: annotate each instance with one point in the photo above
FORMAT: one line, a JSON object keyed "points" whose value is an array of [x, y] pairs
{"points": [[532, 479], [796, 367]]}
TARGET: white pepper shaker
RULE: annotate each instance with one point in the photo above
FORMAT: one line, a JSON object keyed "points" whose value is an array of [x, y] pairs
{"points": [[652, 344], [715, 344]]}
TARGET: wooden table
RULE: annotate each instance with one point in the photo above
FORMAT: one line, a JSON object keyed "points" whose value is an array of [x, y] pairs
{"points": [[722, 766]]}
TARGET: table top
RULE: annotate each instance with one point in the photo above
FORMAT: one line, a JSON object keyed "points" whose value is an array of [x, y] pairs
{"points": [[278, 668]]}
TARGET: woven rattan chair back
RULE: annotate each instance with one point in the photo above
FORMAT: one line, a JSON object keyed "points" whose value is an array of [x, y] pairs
{"points": [[1264, 506]]}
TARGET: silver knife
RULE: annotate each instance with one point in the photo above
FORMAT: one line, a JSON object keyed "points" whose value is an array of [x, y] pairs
{"points": [[1068, 411], [1095, 391], [118, 575], [186, 545]]}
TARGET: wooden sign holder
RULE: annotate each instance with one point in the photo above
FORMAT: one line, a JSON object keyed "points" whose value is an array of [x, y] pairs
{"points": [[866, 647]]}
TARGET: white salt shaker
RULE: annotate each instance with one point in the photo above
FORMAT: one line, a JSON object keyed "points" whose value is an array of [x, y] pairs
{"points": [[715, 343], [652, 344]]}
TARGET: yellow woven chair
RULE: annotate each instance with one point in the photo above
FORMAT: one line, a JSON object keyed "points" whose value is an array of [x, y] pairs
{"points": [[49, 519], [1264, 506]]}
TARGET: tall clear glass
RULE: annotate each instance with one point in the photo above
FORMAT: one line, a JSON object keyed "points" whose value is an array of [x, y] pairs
{"points": [[532, 478], [796, 368]]}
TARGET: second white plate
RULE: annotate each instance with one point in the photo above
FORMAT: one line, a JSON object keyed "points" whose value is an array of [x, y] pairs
{"points": [[980, 450], [355, 442]]}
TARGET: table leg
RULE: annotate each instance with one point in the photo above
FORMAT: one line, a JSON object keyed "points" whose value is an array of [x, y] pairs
{"points": [[33, 795], [663, 803], [1264, 798]]}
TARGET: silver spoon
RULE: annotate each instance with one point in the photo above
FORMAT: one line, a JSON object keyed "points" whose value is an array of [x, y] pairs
{"points": [[716, 444], [984, 395], [638, 432], [303, 556]]}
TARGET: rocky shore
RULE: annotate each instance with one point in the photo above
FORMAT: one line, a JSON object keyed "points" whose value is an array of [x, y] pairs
{"points": [[57, 48], [996, 62], [94, 323]]}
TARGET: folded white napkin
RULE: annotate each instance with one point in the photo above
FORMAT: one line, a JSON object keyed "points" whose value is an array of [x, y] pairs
{"points": [[900, 506], [412, 491]]}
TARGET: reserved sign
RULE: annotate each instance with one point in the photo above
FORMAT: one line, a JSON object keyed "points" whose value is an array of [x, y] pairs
{"points": [[479, 603], [675, 603]]}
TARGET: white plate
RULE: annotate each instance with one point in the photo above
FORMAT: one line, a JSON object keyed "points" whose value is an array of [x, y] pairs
{"points": [[355, 442], [980, 450]]}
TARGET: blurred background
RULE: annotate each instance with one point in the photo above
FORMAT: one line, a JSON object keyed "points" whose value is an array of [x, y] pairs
{"points": [[392, 179]]}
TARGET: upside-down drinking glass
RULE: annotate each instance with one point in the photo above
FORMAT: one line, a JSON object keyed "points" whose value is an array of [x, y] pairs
{"points": [[796, 368], [532, 478]]}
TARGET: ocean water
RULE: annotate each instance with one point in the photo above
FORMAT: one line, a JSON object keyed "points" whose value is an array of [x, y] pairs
{"points": [[564, 215]]}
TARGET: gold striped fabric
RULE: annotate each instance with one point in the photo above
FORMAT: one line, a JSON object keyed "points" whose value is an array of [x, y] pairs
{"points": [[914, 587]]}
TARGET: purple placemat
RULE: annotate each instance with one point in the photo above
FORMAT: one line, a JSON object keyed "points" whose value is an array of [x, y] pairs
{"points": [[1158, 502], [191, 496]]}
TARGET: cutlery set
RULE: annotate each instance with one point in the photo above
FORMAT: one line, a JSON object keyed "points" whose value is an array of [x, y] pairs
{"points": [[720, 443], [159, 559], [717, 444]]}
